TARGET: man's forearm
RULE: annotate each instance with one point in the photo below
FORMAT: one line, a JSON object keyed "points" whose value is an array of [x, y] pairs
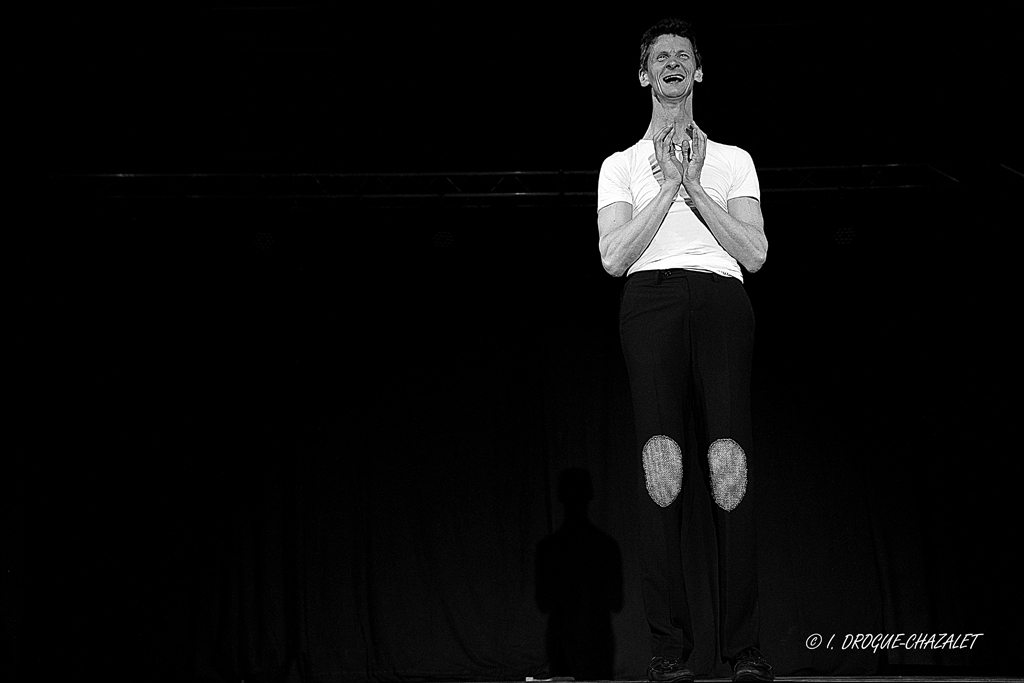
{"points": [[744, 242], [622, 245]]}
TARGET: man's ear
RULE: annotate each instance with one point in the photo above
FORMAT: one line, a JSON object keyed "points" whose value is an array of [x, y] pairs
{"points": [[644, 78], [699, 75]]}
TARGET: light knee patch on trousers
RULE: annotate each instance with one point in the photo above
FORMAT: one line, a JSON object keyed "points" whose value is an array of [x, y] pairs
{"points": [[728, 473], [663, 469]]}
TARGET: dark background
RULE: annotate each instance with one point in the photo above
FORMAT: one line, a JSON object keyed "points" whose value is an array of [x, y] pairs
{"points": [[282, 435]]}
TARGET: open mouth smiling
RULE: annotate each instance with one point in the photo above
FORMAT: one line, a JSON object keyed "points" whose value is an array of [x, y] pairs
{"points": [[674, 78]]}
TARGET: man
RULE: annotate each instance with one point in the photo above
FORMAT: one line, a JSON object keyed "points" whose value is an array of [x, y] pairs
{"points": [[680, 216]]}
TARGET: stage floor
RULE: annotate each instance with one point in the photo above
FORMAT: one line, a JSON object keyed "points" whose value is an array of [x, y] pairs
{"points": [[831, 679]]}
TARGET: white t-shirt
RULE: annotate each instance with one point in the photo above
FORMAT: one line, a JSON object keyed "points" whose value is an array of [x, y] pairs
{"points": [[682, 241]]}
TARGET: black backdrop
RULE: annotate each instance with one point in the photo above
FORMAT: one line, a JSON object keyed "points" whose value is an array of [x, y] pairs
{"points": [[330, 440]]}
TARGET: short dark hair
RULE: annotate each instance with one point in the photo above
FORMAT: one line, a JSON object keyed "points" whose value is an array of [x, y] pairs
{"points": [[670, 26]]}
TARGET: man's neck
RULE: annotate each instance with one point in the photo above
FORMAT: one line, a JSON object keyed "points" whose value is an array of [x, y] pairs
{"points": [[677, 114]]}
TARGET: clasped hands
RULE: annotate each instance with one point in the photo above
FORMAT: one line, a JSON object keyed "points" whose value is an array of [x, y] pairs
{"points": [[683, 168]]}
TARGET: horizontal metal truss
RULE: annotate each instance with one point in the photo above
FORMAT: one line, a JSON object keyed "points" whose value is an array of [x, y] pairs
{"points": [[522, 188]]}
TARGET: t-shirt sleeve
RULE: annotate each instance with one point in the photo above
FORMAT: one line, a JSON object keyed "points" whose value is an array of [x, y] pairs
{"points": [[744, 180], [613, 182]]}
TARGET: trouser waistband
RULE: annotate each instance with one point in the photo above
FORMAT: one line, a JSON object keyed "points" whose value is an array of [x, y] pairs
{"points": [[667, 273]]}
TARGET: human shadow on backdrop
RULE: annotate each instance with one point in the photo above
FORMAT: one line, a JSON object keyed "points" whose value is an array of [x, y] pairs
{"points": [[579, 586]]}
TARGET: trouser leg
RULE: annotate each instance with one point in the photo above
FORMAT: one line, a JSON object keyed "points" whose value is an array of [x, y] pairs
{"points": [[722, 328], [656, 347]]}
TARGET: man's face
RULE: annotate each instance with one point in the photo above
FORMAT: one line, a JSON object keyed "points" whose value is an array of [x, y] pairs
{"points": [[671, 67]]}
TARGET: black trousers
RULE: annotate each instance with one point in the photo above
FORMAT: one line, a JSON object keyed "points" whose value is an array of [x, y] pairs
{"points": [[688, 341]]}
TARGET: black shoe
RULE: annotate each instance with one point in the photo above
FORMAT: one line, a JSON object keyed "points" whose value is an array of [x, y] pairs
{"points": [[668, 670], [750, 665]]}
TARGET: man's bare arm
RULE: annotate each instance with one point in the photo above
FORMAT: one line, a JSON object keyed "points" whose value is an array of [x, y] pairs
{"points": [[740, 230], [623, 236]]}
